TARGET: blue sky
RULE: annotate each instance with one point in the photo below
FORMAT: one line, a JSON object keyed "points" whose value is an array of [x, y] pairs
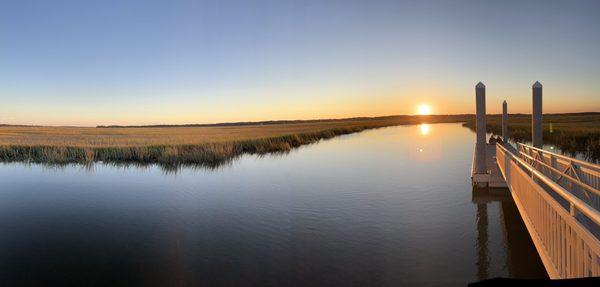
{"points": [[146, 62]]}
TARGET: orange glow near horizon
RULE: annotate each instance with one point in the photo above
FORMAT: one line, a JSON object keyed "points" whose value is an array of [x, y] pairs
{"points": [[331, 104]]}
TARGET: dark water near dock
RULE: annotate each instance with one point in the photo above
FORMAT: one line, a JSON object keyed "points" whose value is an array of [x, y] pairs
{"points": [[379, 208]]}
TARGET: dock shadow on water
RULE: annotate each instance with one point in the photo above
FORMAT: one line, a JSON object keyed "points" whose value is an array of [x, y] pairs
{"points": [[520, 257], [390, 206]]}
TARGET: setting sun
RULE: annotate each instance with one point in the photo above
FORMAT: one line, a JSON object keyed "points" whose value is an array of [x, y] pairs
{"points": [[424, 109]]}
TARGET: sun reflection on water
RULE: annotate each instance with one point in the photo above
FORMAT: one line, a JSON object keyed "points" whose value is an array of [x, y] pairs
{"points": [[424, 129]]}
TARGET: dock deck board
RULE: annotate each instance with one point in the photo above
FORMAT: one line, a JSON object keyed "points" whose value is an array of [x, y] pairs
{"points": [[494, 178]]}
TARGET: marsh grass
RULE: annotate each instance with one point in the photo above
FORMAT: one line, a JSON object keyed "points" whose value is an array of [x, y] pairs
{"points": [[572, 133], [171, 147], [208, 154], [213, 146]]}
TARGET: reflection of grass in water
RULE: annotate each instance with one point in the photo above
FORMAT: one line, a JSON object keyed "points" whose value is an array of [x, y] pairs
{"points": [[171, 147], [91, 166], [572, 133]]}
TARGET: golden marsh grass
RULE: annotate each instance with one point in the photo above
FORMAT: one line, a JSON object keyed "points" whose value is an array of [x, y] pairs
{"points": [[572, 133], [206, 145]]}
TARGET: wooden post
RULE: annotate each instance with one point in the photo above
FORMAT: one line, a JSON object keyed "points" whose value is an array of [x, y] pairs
{"points": [[507, 168], [537, 130], [505, 122], [480, 146]]}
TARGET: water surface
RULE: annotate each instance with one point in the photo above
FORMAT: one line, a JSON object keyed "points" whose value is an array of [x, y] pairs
{"points": [[383, 207]]}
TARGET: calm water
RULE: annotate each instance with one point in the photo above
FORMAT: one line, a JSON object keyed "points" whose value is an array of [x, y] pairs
{"points": [[382, 207]]}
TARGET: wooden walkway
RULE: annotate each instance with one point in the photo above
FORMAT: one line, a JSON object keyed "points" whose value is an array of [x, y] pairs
{"points": [[557, 200], [494, 177]]}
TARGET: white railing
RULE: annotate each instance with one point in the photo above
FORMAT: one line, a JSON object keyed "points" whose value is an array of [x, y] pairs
{"points": [[578, 177], [563, 227], [579, 170]]}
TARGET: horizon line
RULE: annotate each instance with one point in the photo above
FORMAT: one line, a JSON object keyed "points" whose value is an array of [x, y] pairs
{"points": [[280, 121]]}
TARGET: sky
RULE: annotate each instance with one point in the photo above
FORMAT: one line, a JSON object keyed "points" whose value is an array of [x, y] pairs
{"points": [[106, 62]]}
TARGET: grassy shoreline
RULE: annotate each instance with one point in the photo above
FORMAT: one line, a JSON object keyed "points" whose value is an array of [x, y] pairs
{"points": [[213, 145], [209, 154], [208, 146]]}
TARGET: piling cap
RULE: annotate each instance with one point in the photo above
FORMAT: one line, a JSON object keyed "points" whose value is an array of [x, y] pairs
{"points": [[537, 85], [480, 85]]}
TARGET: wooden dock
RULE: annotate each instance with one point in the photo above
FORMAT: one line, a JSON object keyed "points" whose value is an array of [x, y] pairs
{"points": [[558, 197], [493, 178]]}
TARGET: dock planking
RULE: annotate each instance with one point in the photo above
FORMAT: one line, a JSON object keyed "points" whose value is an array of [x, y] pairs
{"points": [[493, 178]]}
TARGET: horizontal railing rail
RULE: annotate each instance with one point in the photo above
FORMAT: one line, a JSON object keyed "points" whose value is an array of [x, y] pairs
{"points": [[576, 202], [583, 191], [585, 172], [563, 227]]}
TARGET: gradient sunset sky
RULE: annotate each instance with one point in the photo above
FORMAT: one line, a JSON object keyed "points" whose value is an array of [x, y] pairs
{"points": [[149, 62]]}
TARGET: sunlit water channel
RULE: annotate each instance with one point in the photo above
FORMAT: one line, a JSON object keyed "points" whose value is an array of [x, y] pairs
{"points": [[379, 208]]}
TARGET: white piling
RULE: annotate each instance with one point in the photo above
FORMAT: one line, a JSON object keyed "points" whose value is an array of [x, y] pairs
{"points": [[505, 134], [480, 125], [537, 129]]}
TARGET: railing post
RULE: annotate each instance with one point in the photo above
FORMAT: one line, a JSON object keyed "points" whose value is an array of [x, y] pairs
{"points": [[505, 134], [553, 165], [507, 168], [480, 146], [537, 129], [552, 161], [572, 209]]}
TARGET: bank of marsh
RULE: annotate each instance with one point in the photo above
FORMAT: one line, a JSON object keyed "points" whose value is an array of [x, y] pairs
{"points": [[211, 145], [205, 145], [572, 133]]}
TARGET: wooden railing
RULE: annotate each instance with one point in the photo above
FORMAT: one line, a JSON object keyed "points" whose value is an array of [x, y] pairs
{"points": [[580, 178], [564, 228]]}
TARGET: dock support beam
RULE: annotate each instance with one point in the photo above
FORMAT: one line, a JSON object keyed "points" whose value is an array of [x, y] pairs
{"points": [[480, 125], [505, 134], [537, 130]]}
